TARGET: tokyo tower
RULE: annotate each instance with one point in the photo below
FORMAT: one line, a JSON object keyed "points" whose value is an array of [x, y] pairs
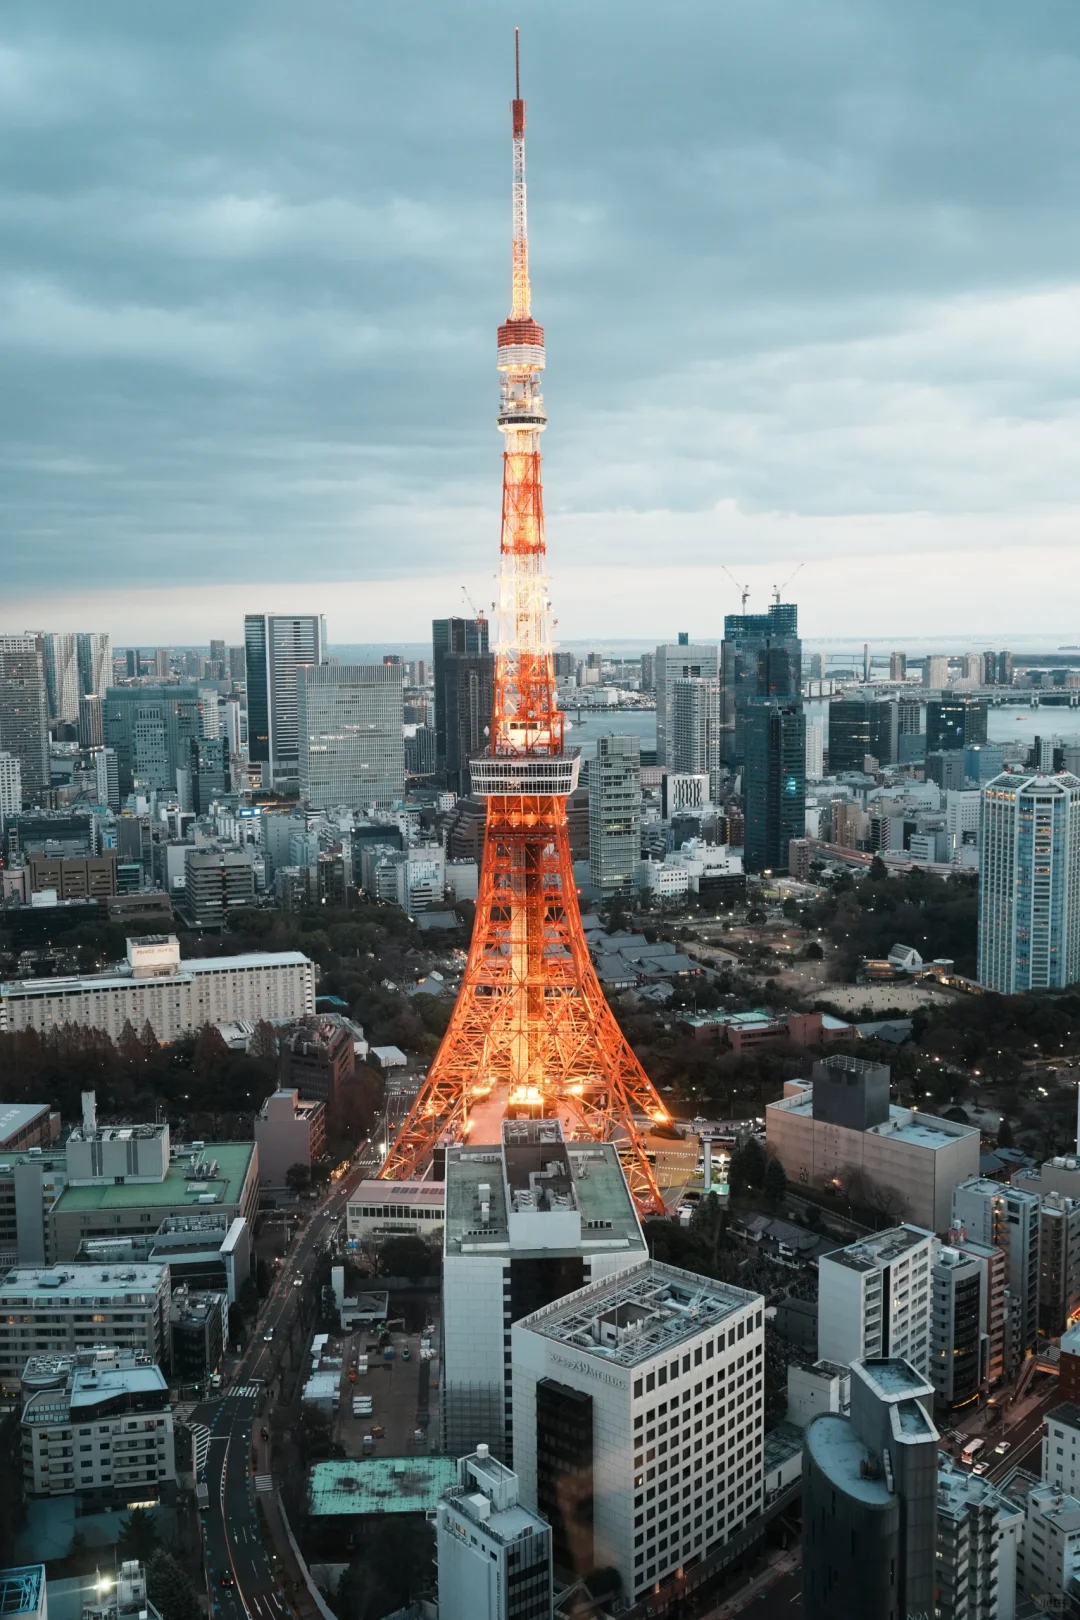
{"points": [[531, 1032]]}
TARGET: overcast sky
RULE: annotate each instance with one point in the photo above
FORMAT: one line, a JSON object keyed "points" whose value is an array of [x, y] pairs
{"points": [[810, 275]]}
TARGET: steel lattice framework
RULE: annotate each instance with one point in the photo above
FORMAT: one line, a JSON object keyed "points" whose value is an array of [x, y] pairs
{"points": [[531, 1024]]}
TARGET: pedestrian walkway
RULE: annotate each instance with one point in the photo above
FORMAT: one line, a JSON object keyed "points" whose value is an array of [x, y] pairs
{"points": [[246, 1391], [264, 1482], [200, 1435]]}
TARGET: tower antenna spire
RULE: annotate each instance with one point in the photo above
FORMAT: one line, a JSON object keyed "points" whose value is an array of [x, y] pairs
{"points": [[517, 64]]}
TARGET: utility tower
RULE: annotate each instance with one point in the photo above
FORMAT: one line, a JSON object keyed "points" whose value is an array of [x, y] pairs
{"points": [[532, 1033]]}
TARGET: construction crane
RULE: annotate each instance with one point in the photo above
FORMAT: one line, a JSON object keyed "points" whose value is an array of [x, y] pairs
{"points": [[476, 613], [744, 590], [778, 588]]}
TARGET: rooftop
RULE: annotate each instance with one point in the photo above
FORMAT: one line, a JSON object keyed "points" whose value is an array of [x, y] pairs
{"points": [[17, 1116], [29, 988], [781, 1443], [22, 1590], [431, 1194], [66, 1280], [1068, 1412], [224, 1186], [638, 1314], [832, 1442], [380, 1485], [90, 1383], [596, 1183], [880, 1249], [903, 1124]]}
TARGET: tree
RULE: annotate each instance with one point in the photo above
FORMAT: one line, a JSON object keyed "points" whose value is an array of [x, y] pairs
{"points": [[775, 1182], [169, 1589], [814, 952], [1005, 1137], [878, 870], [407, 1256], [748, 1165], [138, 1537], [237, 1323], [263, 1044], [298, 1178]]}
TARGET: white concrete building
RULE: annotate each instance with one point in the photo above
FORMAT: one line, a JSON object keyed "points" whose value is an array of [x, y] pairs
{"points": [[10, 784], [647, 1391], [1007, 1218], [1061, 1448], [97, 1422], [392, 1208], [978, 1537], [874, 1299], [351, 736], [175, 997], [815, 751], [63, 1308], [494, 1555], [907, 1160], [288, 1131], [1029, 882], [528, 1220], [1048, 1557], [615, 814]]}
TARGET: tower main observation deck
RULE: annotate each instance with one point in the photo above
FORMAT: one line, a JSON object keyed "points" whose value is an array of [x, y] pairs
{"points": [[532, 1032]]}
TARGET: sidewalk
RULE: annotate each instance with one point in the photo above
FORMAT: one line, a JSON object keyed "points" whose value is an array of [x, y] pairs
{"points": [[784, 1564]]}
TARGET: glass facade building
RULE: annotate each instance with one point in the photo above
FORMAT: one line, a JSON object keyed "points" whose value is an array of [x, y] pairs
{"points": [[1029, 882], [351, 735]]}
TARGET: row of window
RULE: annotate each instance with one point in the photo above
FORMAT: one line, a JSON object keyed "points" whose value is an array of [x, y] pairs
{"points": [[706, 1352]]}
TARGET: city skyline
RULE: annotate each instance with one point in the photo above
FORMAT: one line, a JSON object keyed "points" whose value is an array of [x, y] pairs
{"points": [[876, 347]]}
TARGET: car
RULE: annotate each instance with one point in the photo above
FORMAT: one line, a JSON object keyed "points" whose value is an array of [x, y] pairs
{"points": [[981, 1468], [228, 1578], [297, 1282], [405, 1353], [999, 1451], [268, 1338]]}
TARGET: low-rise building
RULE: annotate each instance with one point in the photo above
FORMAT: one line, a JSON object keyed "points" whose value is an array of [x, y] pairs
{"points": [[494, 1555], [202, 1251], [99, 1423], [199, 1330], [391, 1208], [64, 1308], [22, 1590], [744, 1031], [288, 1131], [175, 998], [318, 1057], [1048, 1556], [838, 1132]]}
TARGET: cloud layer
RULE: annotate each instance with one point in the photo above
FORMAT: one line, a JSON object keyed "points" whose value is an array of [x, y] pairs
{"points": [[810, 278]]}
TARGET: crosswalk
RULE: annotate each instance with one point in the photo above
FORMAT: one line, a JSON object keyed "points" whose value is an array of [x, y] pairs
{"points": [[201, 1437], [246, 1391], [264, 1482]]}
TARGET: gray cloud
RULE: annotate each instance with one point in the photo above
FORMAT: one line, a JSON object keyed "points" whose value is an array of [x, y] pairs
{"points": [[796, 263]]}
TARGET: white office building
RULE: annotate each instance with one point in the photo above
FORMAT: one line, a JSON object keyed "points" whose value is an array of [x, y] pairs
{"points": [[638, 1421], [175, 997], [1007, 1218], [679, 661], [695, 745], [350, 728], [10, 784], [1048, 1557], [63, 1308], [1029, 882], [494, 1555], [277, 646], [529, 1220], [874, 1299], [978, 1537], [98, 1422], [380, 1209], [815, 751]]}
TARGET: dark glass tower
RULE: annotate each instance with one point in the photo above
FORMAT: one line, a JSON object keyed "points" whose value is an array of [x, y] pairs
{"points": [[452, 639], [774, 782], [761, 657], [955, 723]]}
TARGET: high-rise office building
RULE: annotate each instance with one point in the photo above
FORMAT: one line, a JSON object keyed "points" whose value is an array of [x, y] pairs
{"points": [[615, 814], [967, 1337], [209, 765], [638, 1422], [24, 722], [529, 1219], [106, 777], [870, 1499], [898, 666], [875, 1297], [494, 1556], [151, 728], [420, 753], [91, 721], [696, 747], [955, 722], [678, 661], [455, 638], [815, 751], [849, 734], [936, 673], [94, 652], [774, 782], [648, 672], [1029, 883], [761, 657], [466, 690], [276, 647], [10, 785], [1007, 1218], [61, 678], [162, 662], [217, 880], [351, 735]]}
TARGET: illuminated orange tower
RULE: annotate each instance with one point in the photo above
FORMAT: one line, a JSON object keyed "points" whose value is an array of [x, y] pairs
{"points": [[531, 1032]]}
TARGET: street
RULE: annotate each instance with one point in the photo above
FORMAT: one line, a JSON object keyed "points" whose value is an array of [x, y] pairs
{"points": [[232, 1456]]}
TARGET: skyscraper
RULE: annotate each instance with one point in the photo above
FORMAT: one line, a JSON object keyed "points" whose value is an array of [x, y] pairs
{"points": [[1029, 882], [696, 747], [898, 666], [351, 735], [761, 658], [615, 814], [210, 774], [276, 647], [849, 734], [151, 728], [106, 779], [91, 732], [467, 694], [94, 652], [682, 660], [774, 782], [10, 785], [471, 685], [61, 678], [870, 1499], [24, 724], [955, 722]]}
